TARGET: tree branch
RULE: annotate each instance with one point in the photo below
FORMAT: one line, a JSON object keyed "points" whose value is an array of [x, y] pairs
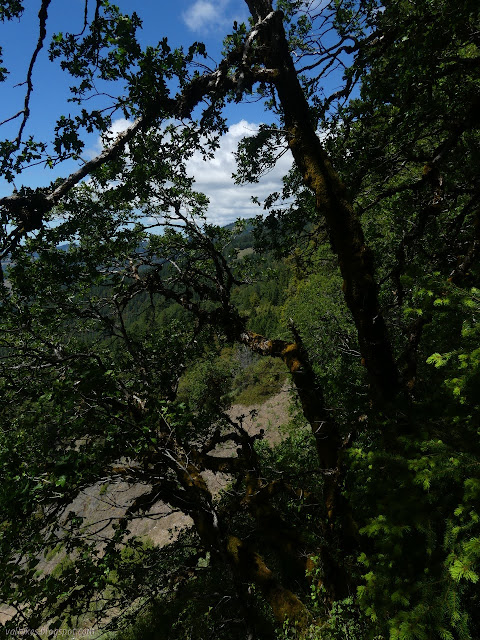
{"points": [[42, 16]]}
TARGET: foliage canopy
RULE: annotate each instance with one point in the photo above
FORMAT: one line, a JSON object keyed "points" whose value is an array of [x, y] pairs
{"points": [[120, 344]]}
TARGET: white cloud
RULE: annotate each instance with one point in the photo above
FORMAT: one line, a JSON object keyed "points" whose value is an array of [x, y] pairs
{"points": [[104, 141], [213, 177], [229, 201], [119, 125], [204, 15]]}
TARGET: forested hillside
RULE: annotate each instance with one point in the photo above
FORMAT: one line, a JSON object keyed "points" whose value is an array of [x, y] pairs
{"points": [[130, 324]]}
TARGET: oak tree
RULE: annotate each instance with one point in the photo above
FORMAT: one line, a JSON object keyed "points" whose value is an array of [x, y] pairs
{"points": [[376, 531]]}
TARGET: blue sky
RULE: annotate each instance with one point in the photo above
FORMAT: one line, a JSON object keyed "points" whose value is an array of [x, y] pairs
{"points": [[183, 22]]}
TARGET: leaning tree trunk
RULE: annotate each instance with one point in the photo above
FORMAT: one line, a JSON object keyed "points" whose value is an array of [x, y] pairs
{"points": [[345, 230]]}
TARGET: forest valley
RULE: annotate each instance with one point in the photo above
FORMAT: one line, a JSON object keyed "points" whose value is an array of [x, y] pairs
{"points": [[122, 311]]}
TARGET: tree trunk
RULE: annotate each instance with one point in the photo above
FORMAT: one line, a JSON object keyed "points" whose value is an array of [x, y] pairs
{"points": [[246, 565], [345, 230]]}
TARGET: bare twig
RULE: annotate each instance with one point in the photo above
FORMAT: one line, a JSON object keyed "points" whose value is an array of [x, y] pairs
{"points": [[42, 16]]}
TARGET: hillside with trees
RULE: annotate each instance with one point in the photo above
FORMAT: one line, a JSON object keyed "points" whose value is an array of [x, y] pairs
{"points": [[130, 324]]}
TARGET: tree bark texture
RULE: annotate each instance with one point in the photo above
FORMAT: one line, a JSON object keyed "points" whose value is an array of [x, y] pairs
{"points": [[345, 230]]}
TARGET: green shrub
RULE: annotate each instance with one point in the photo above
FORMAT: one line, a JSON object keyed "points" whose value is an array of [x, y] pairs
{"points": [[259, 381]]}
